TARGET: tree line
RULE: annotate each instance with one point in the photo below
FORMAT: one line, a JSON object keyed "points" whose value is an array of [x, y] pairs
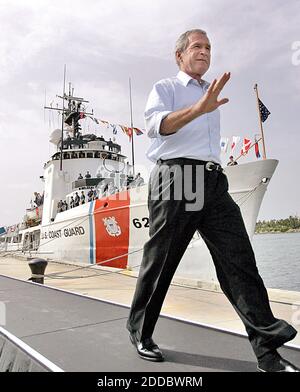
{"points": [[290, 224]]}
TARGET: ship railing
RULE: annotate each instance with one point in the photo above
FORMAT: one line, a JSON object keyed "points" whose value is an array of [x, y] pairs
{"points": [[89, 153]]}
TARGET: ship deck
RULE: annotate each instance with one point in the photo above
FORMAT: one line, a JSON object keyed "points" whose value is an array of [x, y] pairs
{"points": [[80, 333]]}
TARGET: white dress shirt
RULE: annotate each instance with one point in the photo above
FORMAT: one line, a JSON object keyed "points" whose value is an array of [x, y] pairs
{"points": [[199, 139]]}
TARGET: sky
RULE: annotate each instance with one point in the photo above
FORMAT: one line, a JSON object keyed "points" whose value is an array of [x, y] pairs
{"points": [[104, 43]]}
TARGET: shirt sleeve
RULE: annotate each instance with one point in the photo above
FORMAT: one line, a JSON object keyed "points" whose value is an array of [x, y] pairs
{"points": [[159, 105]]}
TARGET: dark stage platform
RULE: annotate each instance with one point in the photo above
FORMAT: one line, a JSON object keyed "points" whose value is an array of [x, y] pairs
{"points": [[79, 333]]}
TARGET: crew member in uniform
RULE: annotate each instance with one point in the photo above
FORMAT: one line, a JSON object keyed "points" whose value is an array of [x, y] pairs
{"points": [[182, 119]]}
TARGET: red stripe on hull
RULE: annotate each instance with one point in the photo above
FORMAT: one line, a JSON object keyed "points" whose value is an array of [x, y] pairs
{"points": [[112, 230]]}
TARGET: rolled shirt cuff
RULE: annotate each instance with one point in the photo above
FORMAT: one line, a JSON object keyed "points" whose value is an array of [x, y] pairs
{"points": [[156, 123]]}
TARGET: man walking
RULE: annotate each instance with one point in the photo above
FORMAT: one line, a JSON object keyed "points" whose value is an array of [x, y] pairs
{"points": [[182, 118]]}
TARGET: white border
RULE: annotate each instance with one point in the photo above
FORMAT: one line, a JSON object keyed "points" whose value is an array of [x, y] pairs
{"points": [[43, 361]]}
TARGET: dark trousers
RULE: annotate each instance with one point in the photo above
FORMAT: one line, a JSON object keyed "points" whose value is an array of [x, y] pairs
{"points": [[222, 228]]}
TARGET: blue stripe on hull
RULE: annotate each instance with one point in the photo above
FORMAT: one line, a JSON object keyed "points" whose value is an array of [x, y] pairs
{"points": [[91, 223]]}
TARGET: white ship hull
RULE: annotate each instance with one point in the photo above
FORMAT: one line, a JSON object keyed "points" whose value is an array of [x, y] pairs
{"points": [[112, 232]]}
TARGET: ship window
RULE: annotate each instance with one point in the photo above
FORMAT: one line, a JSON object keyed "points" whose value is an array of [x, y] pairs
{"points": [[89, 155], [36, 239], [26, 242]]}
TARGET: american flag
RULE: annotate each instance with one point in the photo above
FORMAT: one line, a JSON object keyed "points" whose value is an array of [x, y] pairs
{"points": [[264, 112]]}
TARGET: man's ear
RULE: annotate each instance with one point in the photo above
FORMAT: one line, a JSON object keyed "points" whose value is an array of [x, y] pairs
{"points": [[178, 56]]}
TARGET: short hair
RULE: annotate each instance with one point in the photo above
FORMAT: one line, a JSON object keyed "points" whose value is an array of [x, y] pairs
{"points": [[183, 41]]}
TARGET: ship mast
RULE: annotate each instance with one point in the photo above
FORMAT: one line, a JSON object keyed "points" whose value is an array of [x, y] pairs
{"points": [[62, 122], [70, 115], [131, 125], [260, 122]]}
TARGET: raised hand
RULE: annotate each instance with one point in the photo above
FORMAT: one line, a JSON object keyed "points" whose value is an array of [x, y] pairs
{"points": [[209, 101]]}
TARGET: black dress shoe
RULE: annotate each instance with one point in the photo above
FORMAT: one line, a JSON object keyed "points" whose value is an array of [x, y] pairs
{"points": [[282, 365], [147, 349]]}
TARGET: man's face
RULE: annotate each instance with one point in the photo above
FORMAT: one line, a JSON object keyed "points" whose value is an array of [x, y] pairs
{"points": [[195, 60]]}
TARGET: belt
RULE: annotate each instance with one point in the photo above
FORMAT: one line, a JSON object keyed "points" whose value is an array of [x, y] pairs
{"points": [[209, 165]]}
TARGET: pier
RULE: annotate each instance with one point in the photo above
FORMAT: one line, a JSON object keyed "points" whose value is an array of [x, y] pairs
{"points": [[78, 323]]}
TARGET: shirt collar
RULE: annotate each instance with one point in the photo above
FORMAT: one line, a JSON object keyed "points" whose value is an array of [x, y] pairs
{"points": [[186, 79]]}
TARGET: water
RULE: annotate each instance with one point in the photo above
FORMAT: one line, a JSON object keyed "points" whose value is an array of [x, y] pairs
{"points": [[278, 259]]}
